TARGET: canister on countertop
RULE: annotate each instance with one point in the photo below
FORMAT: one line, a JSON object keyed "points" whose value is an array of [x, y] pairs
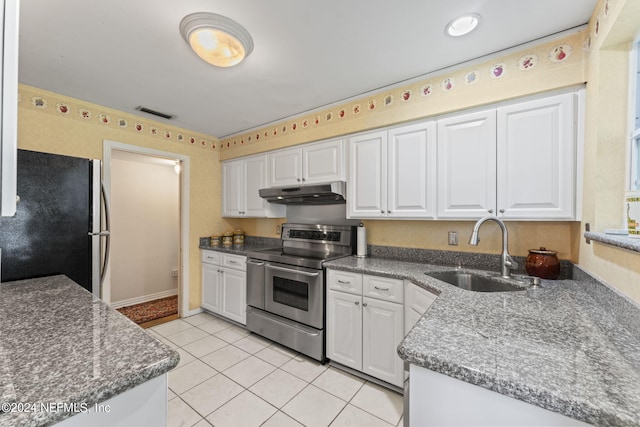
{"points": [[214, 240], [227, 238], [543, 263], [238, 237], [632, 210]]}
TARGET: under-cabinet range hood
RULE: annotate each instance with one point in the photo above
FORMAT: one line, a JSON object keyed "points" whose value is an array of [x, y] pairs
{"points": [[311, 194]]}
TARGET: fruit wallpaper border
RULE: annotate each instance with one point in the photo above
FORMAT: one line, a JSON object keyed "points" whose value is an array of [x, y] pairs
{"points": [[536, 60], [62, 106]]}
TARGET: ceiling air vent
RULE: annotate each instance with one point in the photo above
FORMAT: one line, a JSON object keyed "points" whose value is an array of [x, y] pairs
{"points": [[155, 113]]}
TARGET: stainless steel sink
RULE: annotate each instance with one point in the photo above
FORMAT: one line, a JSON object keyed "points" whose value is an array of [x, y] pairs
{"points": [[475, 282]]}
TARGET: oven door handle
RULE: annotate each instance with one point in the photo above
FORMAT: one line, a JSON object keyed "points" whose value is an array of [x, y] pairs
{"points": [[287, 270]]}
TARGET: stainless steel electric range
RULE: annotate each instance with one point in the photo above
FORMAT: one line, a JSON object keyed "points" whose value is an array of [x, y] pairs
{"points": [[286, 285]]}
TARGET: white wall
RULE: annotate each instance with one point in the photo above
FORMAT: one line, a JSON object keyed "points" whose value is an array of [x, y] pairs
{"points": [[145, 231]]}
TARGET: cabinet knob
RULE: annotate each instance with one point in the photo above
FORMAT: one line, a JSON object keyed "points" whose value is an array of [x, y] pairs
{"points": [[382, 212], [490, 210], [364, 304], [298, 179], [304, 179], [388, 212], [501, 210], [357, 302]]}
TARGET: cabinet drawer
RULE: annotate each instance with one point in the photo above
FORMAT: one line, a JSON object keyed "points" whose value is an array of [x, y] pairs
{"points": [[345, 281], [237, 262], [384, 288], [418, 299], [211, 257]]}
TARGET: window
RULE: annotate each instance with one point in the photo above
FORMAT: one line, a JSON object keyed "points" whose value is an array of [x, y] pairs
{"points": [[634, 183]]}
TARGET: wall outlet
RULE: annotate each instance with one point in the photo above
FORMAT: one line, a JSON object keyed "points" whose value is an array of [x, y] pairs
{"points": [[453, 238], [278, 229], [174, 273]]}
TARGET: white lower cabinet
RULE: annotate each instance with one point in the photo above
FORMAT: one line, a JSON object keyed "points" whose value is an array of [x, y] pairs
{"points": [[344, 329], [224, 285], [234, 295], [435, 400], [382, 331], [416, 301], [365, 324]]}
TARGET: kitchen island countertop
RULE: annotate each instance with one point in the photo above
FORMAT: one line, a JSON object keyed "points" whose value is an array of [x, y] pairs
{"points": [[556, 347], [61, 345]]}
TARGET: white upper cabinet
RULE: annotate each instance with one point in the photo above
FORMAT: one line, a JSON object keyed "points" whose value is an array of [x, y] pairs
{"points": [[285, 167], [411, 178], [467, 165], [323, 162], [516, 161], [255, 178], [232, 188], [241, 180], [536, 159], [311, 163], [367, 182], [9, 18], [392, 173]]}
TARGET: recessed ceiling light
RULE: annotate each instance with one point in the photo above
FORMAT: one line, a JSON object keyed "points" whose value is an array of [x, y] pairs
{"points": [[463, 25], [216, 39]]}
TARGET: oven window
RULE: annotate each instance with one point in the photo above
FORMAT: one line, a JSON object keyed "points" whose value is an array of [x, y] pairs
{"points": [[291, 292]]}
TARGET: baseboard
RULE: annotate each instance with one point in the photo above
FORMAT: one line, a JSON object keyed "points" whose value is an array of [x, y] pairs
{"points": [[192, 312], [145, 298]]}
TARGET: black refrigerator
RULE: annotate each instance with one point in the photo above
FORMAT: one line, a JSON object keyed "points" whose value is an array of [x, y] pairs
{"points": [[56, 228]]}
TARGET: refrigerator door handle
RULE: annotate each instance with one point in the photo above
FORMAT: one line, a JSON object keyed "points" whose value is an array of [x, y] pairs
{"points": [[106, 233]]}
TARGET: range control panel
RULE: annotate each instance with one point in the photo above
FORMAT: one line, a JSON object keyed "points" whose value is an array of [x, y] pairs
{"points": [[330, 236]]}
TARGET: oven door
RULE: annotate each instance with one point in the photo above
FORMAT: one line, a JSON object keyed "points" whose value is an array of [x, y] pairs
{"points": [[296, 293]]}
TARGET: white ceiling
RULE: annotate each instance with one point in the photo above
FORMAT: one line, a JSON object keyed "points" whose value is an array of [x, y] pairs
{"points": [[126, 53]]}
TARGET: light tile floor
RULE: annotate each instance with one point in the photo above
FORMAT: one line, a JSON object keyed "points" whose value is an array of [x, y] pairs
{"points": [[229, 377]]}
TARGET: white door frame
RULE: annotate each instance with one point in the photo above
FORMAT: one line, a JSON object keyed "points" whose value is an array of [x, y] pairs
{"points": [[108, 148]]}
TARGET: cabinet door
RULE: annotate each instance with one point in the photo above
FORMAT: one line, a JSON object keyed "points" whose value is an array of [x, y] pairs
{"points": [[412, 171], [416, 302], [285, 167], [467, 165], [536, 159], [382, 332], [367, 185], [234, 295], [211, 288], [255, 178], [232, 188], [344, 329], [323, 162]]}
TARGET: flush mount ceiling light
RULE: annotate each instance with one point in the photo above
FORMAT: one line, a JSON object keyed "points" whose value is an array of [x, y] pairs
{"points": [[216, 39], [462, 25]]}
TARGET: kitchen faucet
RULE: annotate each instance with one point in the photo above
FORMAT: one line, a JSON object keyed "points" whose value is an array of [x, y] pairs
{"points": [[506, 262]]}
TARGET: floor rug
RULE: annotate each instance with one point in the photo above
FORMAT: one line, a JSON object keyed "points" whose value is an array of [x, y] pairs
{"points": [[151, 310]]}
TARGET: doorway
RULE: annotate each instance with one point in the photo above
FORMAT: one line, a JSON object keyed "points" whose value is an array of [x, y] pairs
{"points": [[147, 192]]}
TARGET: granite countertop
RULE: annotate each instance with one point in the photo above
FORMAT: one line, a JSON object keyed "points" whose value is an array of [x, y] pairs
{"points": [[61, 345], [251, 244], [556, 347]]}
